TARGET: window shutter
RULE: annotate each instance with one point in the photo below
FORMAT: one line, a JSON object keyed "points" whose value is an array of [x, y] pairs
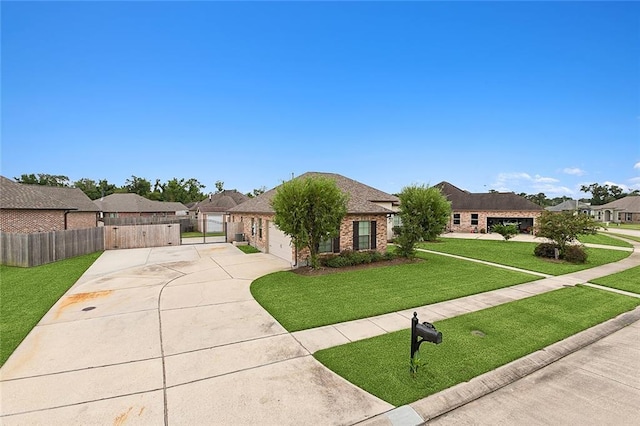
{"points": [[356, 235], [336, 244], [373, 235]]}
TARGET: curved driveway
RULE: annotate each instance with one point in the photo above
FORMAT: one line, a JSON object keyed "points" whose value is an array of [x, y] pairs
{"points": [[172, 335]]}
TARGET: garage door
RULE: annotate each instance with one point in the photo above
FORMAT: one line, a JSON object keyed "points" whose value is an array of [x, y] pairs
{"points": [[279, 243]]}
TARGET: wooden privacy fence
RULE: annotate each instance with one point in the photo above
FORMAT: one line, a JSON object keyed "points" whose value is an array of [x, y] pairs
{"points": [[28, 250], [125, 237], [186, 223]]}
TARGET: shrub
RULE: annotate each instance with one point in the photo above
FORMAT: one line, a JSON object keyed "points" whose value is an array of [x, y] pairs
{"points": [[575, 254], [547, 250], [337, 262], [351, 258]]}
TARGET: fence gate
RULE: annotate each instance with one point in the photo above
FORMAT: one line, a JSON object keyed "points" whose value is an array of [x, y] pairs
{"points": [[141, 236]]}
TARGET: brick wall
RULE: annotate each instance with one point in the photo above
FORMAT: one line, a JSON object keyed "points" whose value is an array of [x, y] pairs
{"points": [[254, 236], [31, 221], [81, 220], [346, 231], [465, 219]]}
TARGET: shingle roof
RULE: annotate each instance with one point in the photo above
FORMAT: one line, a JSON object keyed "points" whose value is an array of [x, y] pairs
{"points": [[362, 197], [490, 201], [134, 203], [14, 195], [569, 205], [74, 196], [629, 204], [221, 202]]}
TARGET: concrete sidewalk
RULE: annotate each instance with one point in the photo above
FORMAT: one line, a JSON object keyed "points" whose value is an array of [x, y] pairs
{"points": [[173, 336]]}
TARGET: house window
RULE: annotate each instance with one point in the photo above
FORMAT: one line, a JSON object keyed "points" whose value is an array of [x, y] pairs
{"points": [[456, 218], [253, 227], [330, 245], [629, 217], [364, 235], [260, 228], [474, 218]]}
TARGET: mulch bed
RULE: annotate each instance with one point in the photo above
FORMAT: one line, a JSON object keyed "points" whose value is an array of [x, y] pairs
{"points": [[323, 270]]}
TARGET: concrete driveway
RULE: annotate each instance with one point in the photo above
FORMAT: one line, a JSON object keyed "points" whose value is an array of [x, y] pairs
{"points": [[172, 336]]}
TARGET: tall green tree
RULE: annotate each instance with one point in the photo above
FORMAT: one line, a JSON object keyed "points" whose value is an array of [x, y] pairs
{"points": [[424, 214], [43, 179], [602, 194], [565, 227], [89, 187], [309, 210], [137, 185]]}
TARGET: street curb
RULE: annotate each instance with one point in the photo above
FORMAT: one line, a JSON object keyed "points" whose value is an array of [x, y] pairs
{"points": [[449, 399]]}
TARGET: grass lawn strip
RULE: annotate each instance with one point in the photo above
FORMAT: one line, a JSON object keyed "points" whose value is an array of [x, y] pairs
{"points": [[603, 239], [302, 302], [472, 344], [247, 249], [627, 280], [26, 294], [520, 254]]}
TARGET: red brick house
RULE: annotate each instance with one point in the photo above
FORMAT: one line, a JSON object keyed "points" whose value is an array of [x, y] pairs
{"points": [[26, 209], [477, 212], [369, 214]]}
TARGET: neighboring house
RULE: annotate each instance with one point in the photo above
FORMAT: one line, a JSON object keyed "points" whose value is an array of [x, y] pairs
{"points": [[134, 205], [474, 212], [571, 206], [212, 210], [624, 210], [369, 215], [27, 209]]}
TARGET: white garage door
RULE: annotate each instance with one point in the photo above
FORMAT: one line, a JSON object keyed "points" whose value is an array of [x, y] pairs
{"points": [[279, 243]]}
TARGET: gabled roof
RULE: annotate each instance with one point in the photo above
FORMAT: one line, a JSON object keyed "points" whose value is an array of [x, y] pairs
{"points": [[74, 196], [629, 204], [134, 203], [14, 195], [569, 205], [362, 198], [485, 201], [221, 201]]}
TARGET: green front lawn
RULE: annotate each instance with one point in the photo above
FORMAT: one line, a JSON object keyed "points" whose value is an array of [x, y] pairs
{"points": [[520, 254], [301, 302], [380, 365], [26, 294], [603, 239], [627, 280]]}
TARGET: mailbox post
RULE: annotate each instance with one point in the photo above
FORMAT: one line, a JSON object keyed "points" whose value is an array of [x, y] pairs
{"points": [[421, 333]]}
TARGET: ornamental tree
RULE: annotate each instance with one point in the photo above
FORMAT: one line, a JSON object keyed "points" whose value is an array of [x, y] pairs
{"points": [[424, 214], [507, 231], [564, 227], [309, 210]]}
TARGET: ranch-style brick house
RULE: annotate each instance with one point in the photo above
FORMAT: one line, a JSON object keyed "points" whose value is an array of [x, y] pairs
{"points": [[624, 210], [28, 209], [477, 212], [365, 226]]}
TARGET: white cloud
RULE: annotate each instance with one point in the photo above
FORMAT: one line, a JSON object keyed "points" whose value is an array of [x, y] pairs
{"points": [[523, 182], [574, 171], [637, 165]]}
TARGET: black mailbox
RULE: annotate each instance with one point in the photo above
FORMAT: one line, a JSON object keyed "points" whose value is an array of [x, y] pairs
{"points": [[421, 333]]}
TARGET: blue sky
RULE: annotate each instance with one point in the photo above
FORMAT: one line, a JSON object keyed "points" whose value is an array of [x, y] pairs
{"points": [[514, 96]]}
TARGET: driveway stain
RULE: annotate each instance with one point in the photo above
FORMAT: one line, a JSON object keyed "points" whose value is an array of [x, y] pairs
{"points": [[80, 298]]}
